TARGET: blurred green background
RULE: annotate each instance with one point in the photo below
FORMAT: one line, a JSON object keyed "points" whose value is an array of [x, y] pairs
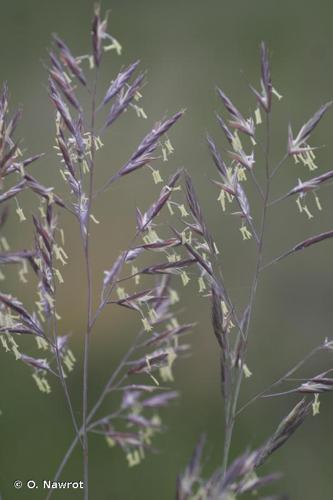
{"points": [[188, 47]]}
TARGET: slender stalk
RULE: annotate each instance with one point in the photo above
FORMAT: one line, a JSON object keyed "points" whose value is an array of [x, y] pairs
{"points": [[63, 381], [88, 417], [280, 380], [106, 186], [279, 165], [257, 185], [89, 297], [108, 385], [54, 328], [105, 391], [107, 298], [232, 408], [85, 383]]}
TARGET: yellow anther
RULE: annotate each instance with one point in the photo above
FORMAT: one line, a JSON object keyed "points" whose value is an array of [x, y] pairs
{"points": [[276, 93], [157, 176], [202, 285], [146, 325], [299, 204], [170, 208], [257, 115], [307, 211], [185, 278], [121, 293], [318, 202], [316, 405], [174, 297], [133, 458], [21, 215], [246, 371], [41, 343], [93, 218], [4, 243], [247, 235], [221, 199], [59, 276], [169, 146], [183, 211]]}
